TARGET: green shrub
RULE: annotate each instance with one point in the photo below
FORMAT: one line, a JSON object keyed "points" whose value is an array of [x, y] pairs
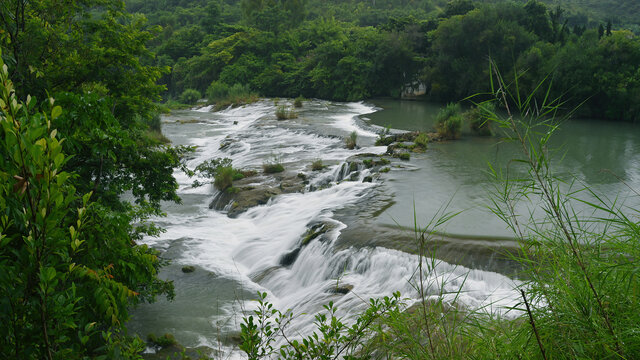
{"points": [[222, 172], [298, 102], [155, 123], [217, 91], [449, 121], [317, 165], [224, 95], [223, 177], [422, 141], [404, 156], [190, 96], [385, 170], [351, 141], [479, 118], [239, 91]]}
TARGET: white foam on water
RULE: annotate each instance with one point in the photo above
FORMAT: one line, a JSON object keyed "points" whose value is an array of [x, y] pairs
{"points": [[206, 108], [348, 122]]}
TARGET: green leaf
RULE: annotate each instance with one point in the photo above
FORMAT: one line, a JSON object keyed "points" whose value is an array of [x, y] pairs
{"points": [[56, 112]]}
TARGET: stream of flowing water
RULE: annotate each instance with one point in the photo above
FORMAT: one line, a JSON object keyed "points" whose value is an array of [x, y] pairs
{"points": [[237, 257]]}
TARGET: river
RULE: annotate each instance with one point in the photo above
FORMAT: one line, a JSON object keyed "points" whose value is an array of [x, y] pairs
{"points": [[370, 239]]}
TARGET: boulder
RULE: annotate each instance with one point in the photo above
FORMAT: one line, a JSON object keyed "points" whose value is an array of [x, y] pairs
{"points": [[341, 289], [188, 269]]}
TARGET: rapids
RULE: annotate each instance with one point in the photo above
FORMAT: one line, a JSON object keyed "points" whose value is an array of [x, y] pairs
{"points": [[236, 257]]}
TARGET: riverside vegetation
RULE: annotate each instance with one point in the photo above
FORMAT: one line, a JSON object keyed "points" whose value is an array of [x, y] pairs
{"points": [[353, 50]]}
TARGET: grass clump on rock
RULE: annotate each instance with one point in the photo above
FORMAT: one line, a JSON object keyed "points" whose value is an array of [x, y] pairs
{"points": [[284, 113], [351, 141], [273, 166], [317, 165], [421, 142]]}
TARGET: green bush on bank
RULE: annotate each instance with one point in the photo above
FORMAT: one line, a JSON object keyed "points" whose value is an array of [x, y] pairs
{"points": [[449, 121], [223, 95], [190, 96]]}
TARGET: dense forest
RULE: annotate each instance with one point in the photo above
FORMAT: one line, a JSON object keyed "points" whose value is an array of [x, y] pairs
{"points": [[83, 162], [361, 49]]}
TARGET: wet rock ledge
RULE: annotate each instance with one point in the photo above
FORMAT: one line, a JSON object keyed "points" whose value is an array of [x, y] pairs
{"points": [[257, 190]]}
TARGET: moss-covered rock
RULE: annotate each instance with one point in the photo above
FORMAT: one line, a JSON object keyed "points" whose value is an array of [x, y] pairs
{"points": [[188, 269]]}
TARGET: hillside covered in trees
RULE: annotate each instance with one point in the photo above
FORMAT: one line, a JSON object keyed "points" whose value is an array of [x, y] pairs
{"points": [[352, 50]]}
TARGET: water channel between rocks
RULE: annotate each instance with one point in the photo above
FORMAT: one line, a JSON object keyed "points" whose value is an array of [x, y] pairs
{"points": [[361, 220]]}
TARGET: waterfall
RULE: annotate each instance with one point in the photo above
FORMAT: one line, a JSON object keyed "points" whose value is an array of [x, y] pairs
{"points": [[287, 247]]}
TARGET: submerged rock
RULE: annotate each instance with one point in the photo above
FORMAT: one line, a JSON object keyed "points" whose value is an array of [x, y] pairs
{"points": [[262, 275], [188, 269], [289, 258]]}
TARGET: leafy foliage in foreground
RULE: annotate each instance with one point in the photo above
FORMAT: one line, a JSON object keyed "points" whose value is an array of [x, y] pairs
{"points": [[70, 267], [65, 288]]}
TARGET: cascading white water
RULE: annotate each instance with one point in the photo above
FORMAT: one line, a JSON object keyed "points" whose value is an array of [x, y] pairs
{"points": [[249, 249]]}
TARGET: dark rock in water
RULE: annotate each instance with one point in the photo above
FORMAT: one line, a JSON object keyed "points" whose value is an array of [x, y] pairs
{"points": [[354, 176], [341, 289], [244, 198], [289, 258], [259, 277], [226, 143], [292, 186], [188, 269], [247, 194], [367, 179], [314, 231], [365, 155]]}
